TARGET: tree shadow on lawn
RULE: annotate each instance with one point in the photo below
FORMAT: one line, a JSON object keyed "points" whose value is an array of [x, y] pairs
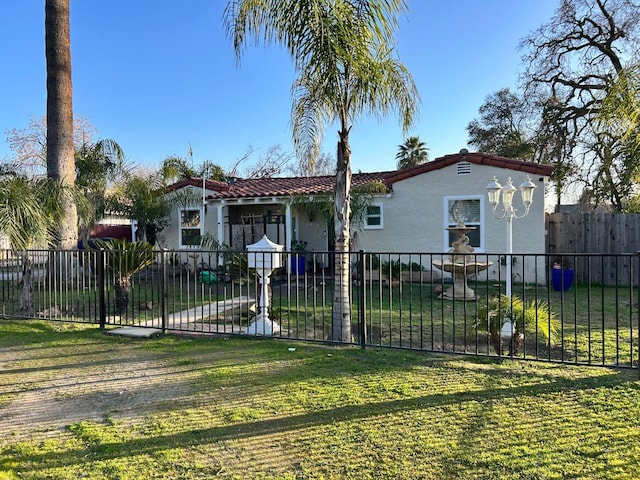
{"points": [[548, 384]]}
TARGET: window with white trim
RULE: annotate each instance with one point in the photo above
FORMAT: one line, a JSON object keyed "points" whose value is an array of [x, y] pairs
{"points": [[467, 210], [374, 218], [190, 226]]}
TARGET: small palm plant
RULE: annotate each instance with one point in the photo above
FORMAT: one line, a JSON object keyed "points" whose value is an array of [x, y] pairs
{"points": [[392, 269], [123, 260], [518, 318]]}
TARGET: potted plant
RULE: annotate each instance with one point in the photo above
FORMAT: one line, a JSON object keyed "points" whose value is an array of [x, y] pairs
{"points": [[298, 249], [391, 271], [562, 274]]}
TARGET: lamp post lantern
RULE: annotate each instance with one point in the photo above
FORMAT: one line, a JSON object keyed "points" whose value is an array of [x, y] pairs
{"points": [[508, 212]]}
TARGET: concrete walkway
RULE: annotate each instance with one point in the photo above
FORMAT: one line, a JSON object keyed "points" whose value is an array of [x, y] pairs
{"points": [[180, 319], [138, 332]]}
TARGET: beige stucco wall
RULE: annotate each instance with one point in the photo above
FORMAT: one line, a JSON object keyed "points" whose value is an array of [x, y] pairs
{"points": [[414, 217], [315, 233], [169, 237]]}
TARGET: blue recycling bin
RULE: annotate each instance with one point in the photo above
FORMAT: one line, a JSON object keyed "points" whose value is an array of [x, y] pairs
{"points": [[297, 264], [561, 279]]}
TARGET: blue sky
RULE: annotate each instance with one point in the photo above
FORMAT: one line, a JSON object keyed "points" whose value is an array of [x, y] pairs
{"points": [[160, 76]]}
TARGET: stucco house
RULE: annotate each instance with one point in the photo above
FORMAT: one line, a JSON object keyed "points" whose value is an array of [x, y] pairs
{"points": [[410, 214]]}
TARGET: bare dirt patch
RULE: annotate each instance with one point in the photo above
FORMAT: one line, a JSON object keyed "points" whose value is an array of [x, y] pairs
{"points": [[48, 389]]}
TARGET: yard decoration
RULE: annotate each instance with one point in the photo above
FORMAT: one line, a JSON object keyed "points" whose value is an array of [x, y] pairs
{"points": [[207, 277], [264, 256], [461, 263], [508, 319], [218, 257]]}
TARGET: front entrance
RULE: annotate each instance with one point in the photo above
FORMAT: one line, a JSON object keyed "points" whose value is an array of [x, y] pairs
{"points": [[249, 227]]}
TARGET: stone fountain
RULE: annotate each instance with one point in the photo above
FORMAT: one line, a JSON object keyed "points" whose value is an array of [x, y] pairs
{"points": [[460, 263]]}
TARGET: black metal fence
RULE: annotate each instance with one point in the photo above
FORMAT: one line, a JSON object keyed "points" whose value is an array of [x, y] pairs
{"points": [[421, 301]]}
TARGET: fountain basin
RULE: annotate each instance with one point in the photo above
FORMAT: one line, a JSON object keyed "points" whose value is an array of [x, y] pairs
{"points": [[460, 271]]}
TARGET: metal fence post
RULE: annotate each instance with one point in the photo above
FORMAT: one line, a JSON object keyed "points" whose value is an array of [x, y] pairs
{"points": [[362, 319], [102, 304], [635, 302], [164, 286]]}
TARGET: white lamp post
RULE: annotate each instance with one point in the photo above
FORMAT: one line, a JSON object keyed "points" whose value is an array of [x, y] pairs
{"points": [[265, 256], [494, 189]]}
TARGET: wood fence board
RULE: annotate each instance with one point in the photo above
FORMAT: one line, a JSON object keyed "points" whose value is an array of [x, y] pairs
{"points": [[596, 233]]}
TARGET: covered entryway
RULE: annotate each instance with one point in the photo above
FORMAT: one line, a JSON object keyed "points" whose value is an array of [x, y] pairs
{"points": [[247, 225]]}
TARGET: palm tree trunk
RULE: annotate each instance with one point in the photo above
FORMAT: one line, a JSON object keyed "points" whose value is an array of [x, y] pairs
{"points": [[341, 315], [25, 305], [122, 289], [60, 149]]}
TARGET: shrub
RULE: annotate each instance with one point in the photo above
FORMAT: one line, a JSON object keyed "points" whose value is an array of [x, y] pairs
{"points": [[534, 317]]}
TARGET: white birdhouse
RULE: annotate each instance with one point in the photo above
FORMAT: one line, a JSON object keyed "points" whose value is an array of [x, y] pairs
{"points": [[265, 255]]}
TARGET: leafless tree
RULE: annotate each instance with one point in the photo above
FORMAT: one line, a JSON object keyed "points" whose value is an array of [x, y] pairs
{"points": [[271, 164], [29, 144], [571, 62], [323, 164]]}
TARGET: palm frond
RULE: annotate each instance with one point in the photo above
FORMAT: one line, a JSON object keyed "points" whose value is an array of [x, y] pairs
{"points": [[30, 209], [123, 258], [533, 317]]}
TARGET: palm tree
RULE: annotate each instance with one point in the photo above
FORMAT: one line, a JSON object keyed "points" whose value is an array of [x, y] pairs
{"points": [[97, 165], [60, 149], [523, 317], [30, 210], [143, 199], [211, 171], [411, 153], [342, 52], [123, 260], [175, 168]]}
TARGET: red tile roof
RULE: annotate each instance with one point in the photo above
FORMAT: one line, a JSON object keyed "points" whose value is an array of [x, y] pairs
{"points": [[197, 182], [287, 186], [477, 158]]}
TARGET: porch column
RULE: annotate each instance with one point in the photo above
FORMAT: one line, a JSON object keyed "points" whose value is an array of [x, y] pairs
{"points": [[220, 230], [287, 227]]}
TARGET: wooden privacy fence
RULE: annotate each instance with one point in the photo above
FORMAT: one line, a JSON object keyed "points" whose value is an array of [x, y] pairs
{"points": [[602, 233]]}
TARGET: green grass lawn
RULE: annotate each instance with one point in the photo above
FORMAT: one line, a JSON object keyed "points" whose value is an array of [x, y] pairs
{"points": [[76, 403]]}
